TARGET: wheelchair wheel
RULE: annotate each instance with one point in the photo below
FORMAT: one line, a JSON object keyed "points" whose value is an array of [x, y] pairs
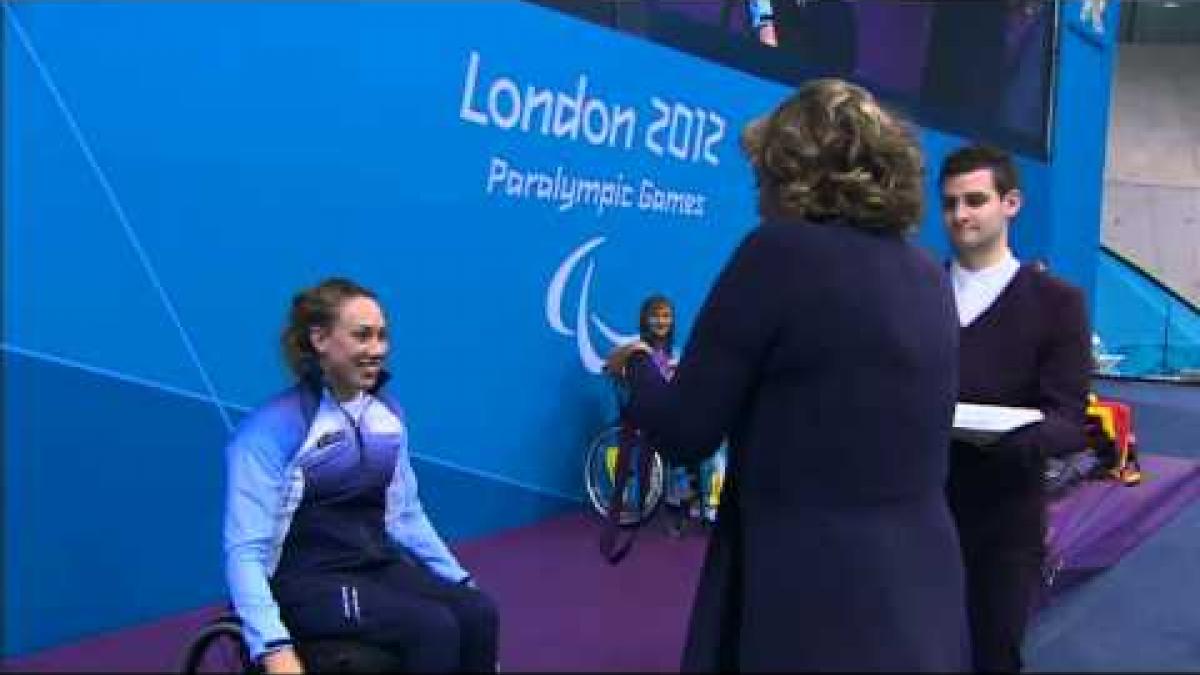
{"points": [[642, 494], [219, 647]]}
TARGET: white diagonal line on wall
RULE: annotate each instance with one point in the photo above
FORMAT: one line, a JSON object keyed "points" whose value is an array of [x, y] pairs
{"points": [[114, 375], [115, 203], [169, 389]]}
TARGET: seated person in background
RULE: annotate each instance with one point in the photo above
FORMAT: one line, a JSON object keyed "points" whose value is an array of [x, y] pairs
{"points": [[327, 545], [691, 487]]}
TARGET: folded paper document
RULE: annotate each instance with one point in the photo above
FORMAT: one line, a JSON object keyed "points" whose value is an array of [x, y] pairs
{"points": [[980, 423]]}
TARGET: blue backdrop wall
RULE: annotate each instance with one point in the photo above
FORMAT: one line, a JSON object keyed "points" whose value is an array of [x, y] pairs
{"points": [[174, 172]]}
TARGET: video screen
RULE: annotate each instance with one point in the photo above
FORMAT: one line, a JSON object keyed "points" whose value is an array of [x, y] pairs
{"points": [[980, 68]]}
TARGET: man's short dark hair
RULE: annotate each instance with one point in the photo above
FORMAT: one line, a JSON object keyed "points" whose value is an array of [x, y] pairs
{"points": [[975, 157]]}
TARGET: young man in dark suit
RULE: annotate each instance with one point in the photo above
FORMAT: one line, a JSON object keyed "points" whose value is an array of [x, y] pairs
{"points": [[1024, 342]]}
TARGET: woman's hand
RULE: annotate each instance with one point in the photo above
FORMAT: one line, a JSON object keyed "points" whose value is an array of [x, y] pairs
{"points": [[282, 660], [618, 360]]}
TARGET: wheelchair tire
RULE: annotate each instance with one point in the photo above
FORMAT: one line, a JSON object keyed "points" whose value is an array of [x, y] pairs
{"points": [[599, 479], [219, 647]]}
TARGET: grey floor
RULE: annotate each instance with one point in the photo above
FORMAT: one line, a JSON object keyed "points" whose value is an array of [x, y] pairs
{"points": [[1143, 614]]}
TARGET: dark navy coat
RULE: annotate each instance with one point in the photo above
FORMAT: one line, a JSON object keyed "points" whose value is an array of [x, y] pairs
{"points": [[828, 356]]}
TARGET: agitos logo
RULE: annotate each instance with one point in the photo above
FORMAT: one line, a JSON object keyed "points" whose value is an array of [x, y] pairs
{"points": [[585, 319]]}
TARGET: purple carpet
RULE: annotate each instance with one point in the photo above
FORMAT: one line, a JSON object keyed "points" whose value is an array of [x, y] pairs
{"points": [[564, 609], [1098, 522]]}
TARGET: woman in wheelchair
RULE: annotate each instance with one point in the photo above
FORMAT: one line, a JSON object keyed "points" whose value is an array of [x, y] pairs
{"points": [[687, 493], [686, 486], [326, 541]]}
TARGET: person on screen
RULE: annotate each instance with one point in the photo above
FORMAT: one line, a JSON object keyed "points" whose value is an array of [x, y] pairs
{"points": [[979, 70], [326, 541], [826, 352], [1024, 342], [762, 21], [823, 35]]}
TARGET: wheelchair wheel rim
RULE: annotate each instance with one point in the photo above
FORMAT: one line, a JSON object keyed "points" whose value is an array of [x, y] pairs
{"points": [[599, 479], [219, 648]]}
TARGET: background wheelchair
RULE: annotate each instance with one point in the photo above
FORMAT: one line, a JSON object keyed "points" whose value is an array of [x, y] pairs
{"points": [[636, 472], [627, 480]]}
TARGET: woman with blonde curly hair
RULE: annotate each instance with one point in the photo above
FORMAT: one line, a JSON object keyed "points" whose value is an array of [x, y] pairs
{"points": [[827, 353]]}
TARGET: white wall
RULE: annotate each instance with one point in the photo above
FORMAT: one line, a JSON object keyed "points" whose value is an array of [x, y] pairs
{"points": [[1152, 177]]}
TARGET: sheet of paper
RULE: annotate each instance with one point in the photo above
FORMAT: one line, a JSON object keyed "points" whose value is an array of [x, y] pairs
{"points": [[980, 423]]}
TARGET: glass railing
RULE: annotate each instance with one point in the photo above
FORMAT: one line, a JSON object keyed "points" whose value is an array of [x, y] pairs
{"points": [[1143, 328]]}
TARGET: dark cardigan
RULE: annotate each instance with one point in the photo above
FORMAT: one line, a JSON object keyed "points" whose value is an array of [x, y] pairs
{"points": [[1031, 348]]}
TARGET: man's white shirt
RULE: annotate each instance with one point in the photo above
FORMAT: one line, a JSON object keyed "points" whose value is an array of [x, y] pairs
{"points": [[976, 290]]}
